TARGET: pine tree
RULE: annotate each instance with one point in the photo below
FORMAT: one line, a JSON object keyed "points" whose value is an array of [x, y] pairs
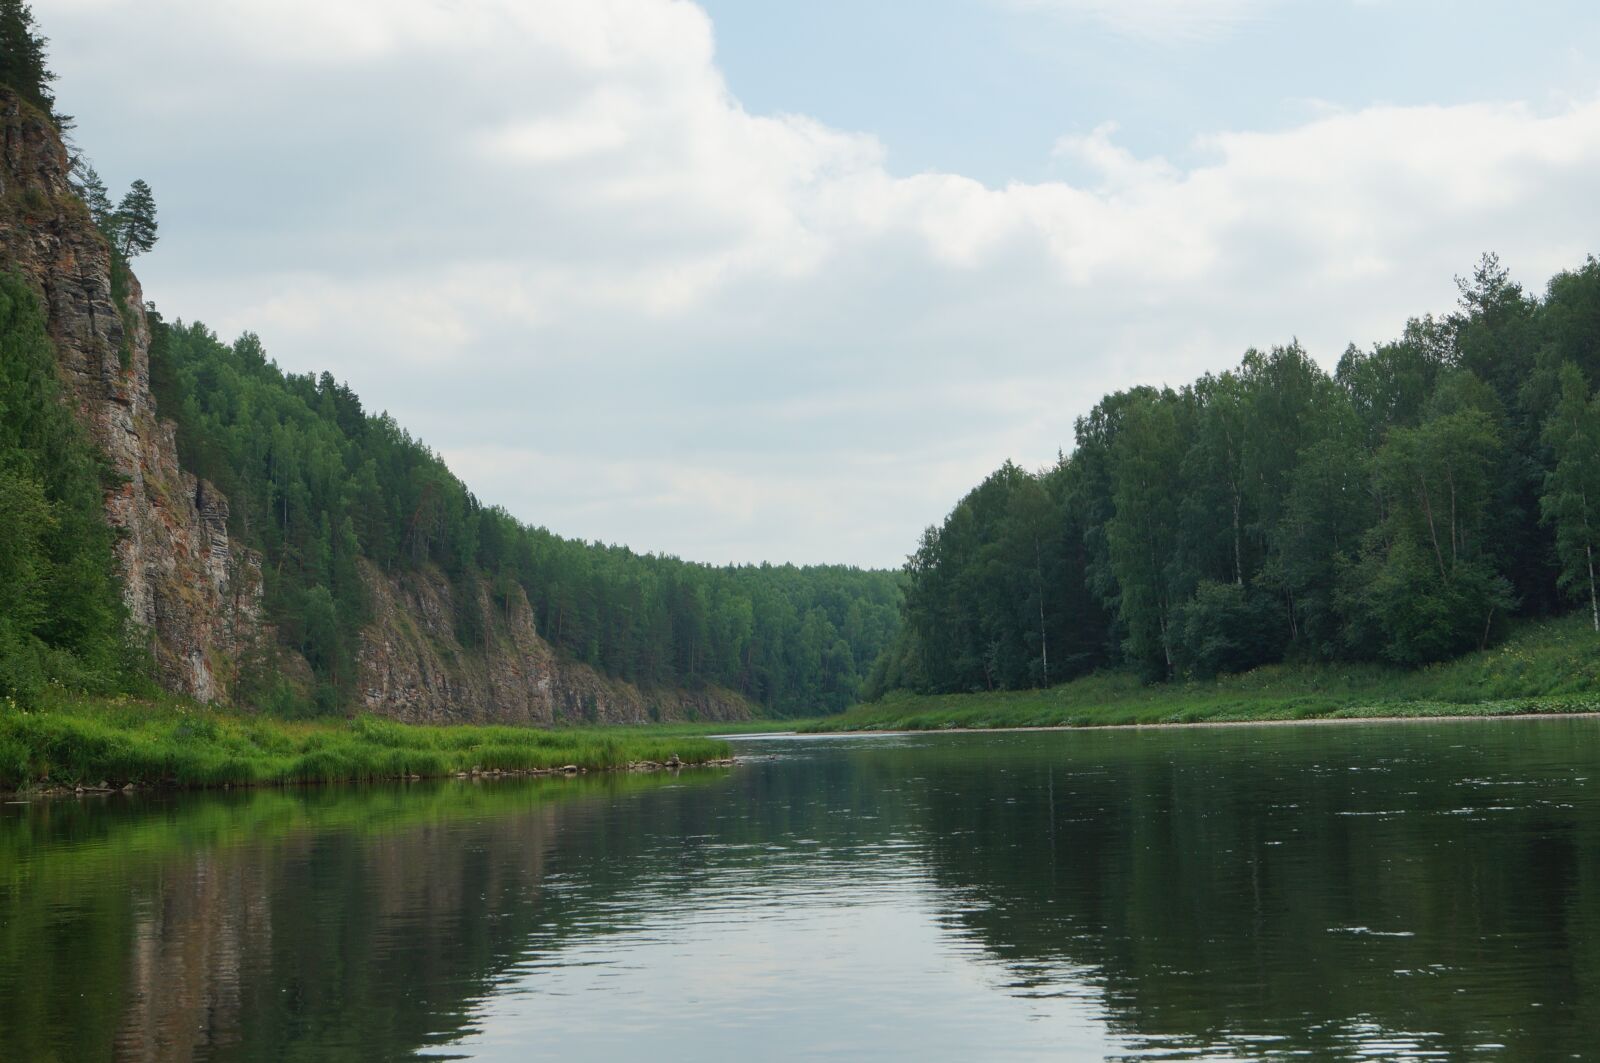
{"points": [[134, 223], [96, 197], [22, 58]]}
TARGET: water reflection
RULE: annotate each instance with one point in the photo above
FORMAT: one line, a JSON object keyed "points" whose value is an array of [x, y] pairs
{"points": [[1372, 892]]}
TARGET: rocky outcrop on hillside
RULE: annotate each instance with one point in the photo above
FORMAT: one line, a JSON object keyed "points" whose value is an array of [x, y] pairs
{"points": [[413, 667], [195, 591]]}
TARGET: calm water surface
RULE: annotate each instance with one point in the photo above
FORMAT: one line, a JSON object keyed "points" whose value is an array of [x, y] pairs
{"points": [[1353, 892]]}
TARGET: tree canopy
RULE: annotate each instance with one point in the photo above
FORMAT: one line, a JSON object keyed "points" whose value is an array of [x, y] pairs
{"points": [[1401, 508], [132, 226]]}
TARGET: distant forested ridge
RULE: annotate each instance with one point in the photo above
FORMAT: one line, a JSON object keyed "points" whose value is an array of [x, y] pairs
{"points": [[317, 484], [1402, 509]]}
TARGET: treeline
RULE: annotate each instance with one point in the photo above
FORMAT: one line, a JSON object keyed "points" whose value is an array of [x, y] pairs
{"points": [[317, 484], [61, 614], [1402, 509]]}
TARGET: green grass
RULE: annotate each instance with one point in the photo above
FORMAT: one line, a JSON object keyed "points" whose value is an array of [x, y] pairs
{"points": [[1546, 667], [76, 741]]}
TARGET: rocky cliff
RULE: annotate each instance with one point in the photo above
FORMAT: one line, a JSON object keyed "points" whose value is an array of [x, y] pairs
{"points": [[412, 666], [195, 591]]}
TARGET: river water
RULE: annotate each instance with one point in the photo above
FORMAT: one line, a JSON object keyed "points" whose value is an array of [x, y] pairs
{"points": [[1418, 890]]}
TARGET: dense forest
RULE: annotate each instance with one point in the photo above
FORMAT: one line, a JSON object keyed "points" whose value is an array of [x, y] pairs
{"points": [[1404, 508], [317, 484]]}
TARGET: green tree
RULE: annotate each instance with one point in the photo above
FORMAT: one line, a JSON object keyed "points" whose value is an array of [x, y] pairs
{"points": [[96, 197], [23, 66], [1430, 585], [1572, 486], [1224, 628], [134, 223], [1142, 535]]}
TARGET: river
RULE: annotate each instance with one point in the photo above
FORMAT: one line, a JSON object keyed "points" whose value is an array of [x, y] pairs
{"points": [[1405, 890]]}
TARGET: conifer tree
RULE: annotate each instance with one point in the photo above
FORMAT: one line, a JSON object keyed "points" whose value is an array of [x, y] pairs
{"points": [[22, 57], [96, 197], [135, 221]]}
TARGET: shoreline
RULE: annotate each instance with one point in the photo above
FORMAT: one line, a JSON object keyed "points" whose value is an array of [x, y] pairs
{"points": [[1307, 721], [565, 771]]}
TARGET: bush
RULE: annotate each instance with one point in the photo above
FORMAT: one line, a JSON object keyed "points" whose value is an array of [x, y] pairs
{"points": [[1225, 628]]}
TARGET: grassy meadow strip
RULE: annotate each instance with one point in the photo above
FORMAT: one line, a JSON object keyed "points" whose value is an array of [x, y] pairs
{"points": [[115, 742], [1545, 667]]}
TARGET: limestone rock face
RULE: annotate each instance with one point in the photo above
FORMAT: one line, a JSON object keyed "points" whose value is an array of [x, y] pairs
{"points": [[412, 667], [196, 592]]}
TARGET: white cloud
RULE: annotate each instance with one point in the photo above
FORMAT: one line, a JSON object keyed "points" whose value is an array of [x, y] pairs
{"points": [[548, 238], [1166, 21]]}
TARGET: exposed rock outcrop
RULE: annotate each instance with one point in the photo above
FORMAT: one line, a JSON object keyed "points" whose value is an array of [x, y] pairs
{"points": [[413, 668], [194, 590]]}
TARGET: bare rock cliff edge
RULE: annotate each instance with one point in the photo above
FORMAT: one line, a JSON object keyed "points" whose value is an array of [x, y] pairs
{"points": [[187, 584], [413, 667]]}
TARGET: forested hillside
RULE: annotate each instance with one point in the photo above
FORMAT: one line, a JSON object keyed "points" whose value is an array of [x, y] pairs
{"points": [[248, 564], [316, 484], [1402, 509]]}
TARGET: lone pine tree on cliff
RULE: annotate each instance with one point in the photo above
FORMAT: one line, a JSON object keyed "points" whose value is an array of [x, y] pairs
{"points": [[131, 225], [134, 224]]}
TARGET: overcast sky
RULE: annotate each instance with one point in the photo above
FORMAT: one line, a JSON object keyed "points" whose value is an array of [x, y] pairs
{"points": [[757, 280]]}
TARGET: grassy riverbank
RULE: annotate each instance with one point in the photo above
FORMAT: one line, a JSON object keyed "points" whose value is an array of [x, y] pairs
{"points": [[1549, 667], [113, 742]]}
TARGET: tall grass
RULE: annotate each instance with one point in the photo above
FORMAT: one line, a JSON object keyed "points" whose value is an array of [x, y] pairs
{"points": [[1547, 666], [164, 743]]}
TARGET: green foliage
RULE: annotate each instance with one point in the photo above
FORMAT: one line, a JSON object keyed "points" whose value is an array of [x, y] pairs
{"points": [[132, 226], [1572, 486], [1427, 585], [1225, 628], [1142, 535], [117, 742], [991, 602], [1403, 509], [1549, 666], [95, 196], [320, 487], [23, 66], [61, 617]]}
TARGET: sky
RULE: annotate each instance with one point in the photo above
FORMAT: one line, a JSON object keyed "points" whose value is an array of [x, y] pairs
{"points": [[752, 280]]}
